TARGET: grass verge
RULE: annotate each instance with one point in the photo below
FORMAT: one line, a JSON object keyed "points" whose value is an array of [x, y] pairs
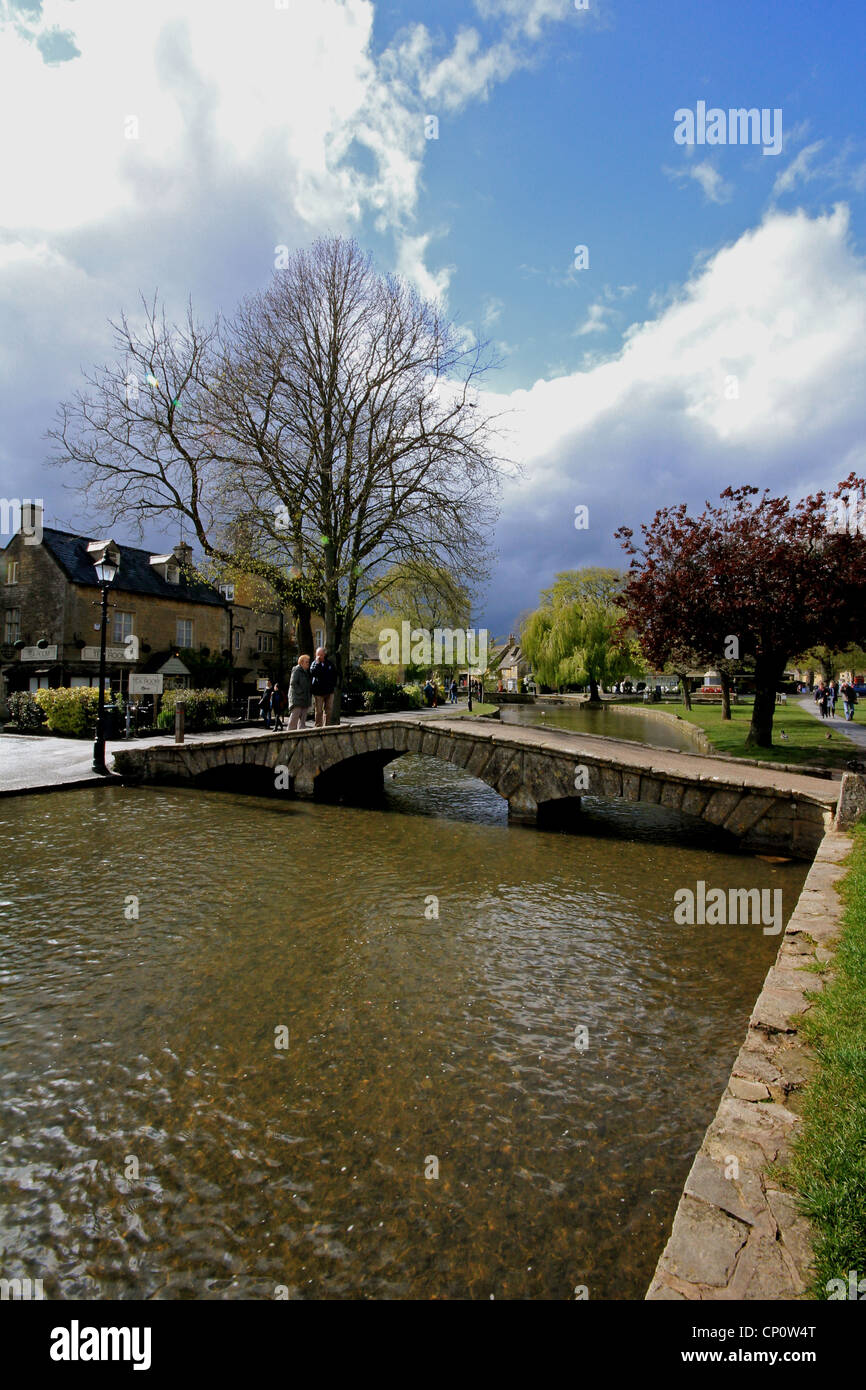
{"points": [[450, 712], [827, 1168], [807, 740]]}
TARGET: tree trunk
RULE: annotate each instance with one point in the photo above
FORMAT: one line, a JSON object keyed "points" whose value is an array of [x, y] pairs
{"points": [[726, 695], [684, 687], [767, 677], [594, 697], [303, 617]]}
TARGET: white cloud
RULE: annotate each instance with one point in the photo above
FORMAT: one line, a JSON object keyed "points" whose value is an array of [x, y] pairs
{"points": [[411, 251], [595, 321], [752, 374], [714, 187], [799, 170], [492, 311]]}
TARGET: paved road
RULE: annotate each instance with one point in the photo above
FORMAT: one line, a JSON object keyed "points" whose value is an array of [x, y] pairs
{"points": [[41, 763]]}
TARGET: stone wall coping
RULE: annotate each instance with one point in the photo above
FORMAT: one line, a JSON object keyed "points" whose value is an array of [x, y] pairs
{"points": [[736, 1234]]}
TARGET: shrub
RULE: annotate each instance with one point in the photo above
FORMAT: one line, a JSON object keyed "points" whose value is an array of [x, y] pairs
{"points": [[203, 707], [414, 696], [24, 710], [72, 710]]}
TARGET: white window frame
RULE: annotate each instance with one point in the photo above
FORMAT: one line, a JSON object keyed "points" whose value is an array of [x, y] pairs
{"points": [[12, 633], [318, 638], [228, 592], [185, 623], [11, 572], [265, 643], [126, 628]]}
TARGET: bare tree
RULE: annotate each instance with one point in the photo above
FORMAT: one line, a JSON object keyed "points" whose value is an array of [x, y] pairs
{"points": [[326, 435]]}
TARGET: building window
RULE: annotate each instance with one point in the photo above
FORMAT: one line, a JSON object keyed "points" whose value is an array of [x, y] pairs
{"points": [[228, 592], [183, 635], [11, 571], [265, 642], [172, 574], [320, 637], [237, 639], [122, 627], [12, 628]]}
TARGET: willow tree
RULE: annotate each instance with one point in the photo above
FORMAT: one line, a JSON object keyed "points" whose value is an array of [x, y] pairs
{"points": [[332, 423], [575, 636]]}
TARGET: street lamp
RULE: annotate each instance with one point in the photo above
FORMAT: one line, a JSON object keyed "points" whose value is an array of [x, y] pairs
{"points": [[106, 567]]}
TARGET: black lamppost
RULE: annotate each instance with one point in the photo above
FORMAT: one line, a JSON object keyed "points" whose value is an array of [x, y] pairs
{"points": [[106, 570]]}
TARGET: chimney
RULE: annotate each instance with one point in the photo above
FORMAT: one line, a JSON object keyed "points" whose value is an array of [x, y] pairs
{"points": [[31, 521], [183, 554]]}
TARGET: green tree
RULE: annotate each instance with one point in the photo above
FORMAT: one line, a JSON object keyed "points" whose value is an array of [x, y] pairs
{"points": [[575, 636]]}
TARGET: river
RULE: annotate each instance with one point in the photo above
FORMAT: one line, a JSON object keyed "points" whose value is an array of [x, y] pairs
{"points": [[635, 723], [287, 1076]]}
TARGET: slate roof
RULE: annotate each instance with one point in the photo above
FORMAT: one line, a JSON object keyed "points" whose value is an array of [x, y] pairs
{"points": [[137, 575]]}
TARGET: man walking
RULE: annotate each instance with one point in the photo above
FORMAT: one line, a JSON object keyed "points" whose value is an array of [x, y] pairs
{"points": [[323, 674], [300, 694]]}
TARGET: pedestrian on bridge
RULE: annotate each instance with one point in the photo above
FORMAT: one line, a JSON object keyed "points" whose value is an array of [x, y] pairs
{"points": [[265, 703], [300, 693], [324, 678], [278, 704]]}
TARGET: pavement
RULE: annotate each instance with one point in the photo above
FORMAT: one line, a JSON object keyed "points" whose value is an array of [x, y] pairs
{"points": [[856, 732]]}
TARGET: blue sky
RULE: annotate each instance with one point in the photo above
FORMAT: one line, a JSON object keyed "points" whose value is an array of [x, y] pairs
{"points": [[716, 336]]}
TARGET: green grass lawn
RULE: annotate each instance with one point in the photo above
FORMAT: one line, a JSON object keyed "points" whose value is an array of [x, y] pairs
{"points": [[461, 712], [828, 1167], [807, 740]]}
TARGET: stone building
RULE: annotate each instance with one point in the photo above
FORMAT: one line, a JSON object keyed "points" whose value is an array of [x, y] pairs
{"points": [[51, 612], [511, 666]]}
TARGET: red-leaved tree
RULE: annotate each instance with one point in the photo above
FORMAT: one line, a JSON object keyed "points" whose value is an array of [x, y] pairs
{"points": [[753, 577]]}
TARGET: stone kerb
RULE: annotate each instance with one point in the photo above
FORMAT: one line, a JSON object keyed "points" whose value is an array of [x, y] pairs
{"points": [[736, 1233]]}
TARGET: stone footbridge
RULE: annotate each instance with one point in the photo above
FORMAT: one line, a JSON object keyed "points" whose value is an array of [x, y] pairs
{"points": [[539, 772]]}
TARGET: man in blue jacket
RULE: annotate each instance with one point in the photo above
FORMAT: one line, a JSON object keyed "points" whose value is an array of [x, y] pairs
{"points": [[324, 679]]}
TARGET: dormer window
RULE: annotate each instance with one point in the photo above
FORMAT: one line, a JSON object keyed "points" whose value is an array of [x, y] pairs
{"points": [[166, 567]]}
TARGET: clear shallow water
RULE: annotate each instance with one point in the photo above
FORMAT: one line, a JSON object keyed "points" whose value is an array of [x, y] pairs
{"points": [[609, 721], [156, 1143]]}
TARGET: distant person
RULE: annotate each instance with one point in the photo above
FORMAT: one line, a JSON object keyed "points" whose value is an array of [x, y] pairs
{"points": [[265, 703], [278, 704], [428, 691], [452, 692], [849, 700], [832, 696], [822, 698], [300, 693], [323, 674]]}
